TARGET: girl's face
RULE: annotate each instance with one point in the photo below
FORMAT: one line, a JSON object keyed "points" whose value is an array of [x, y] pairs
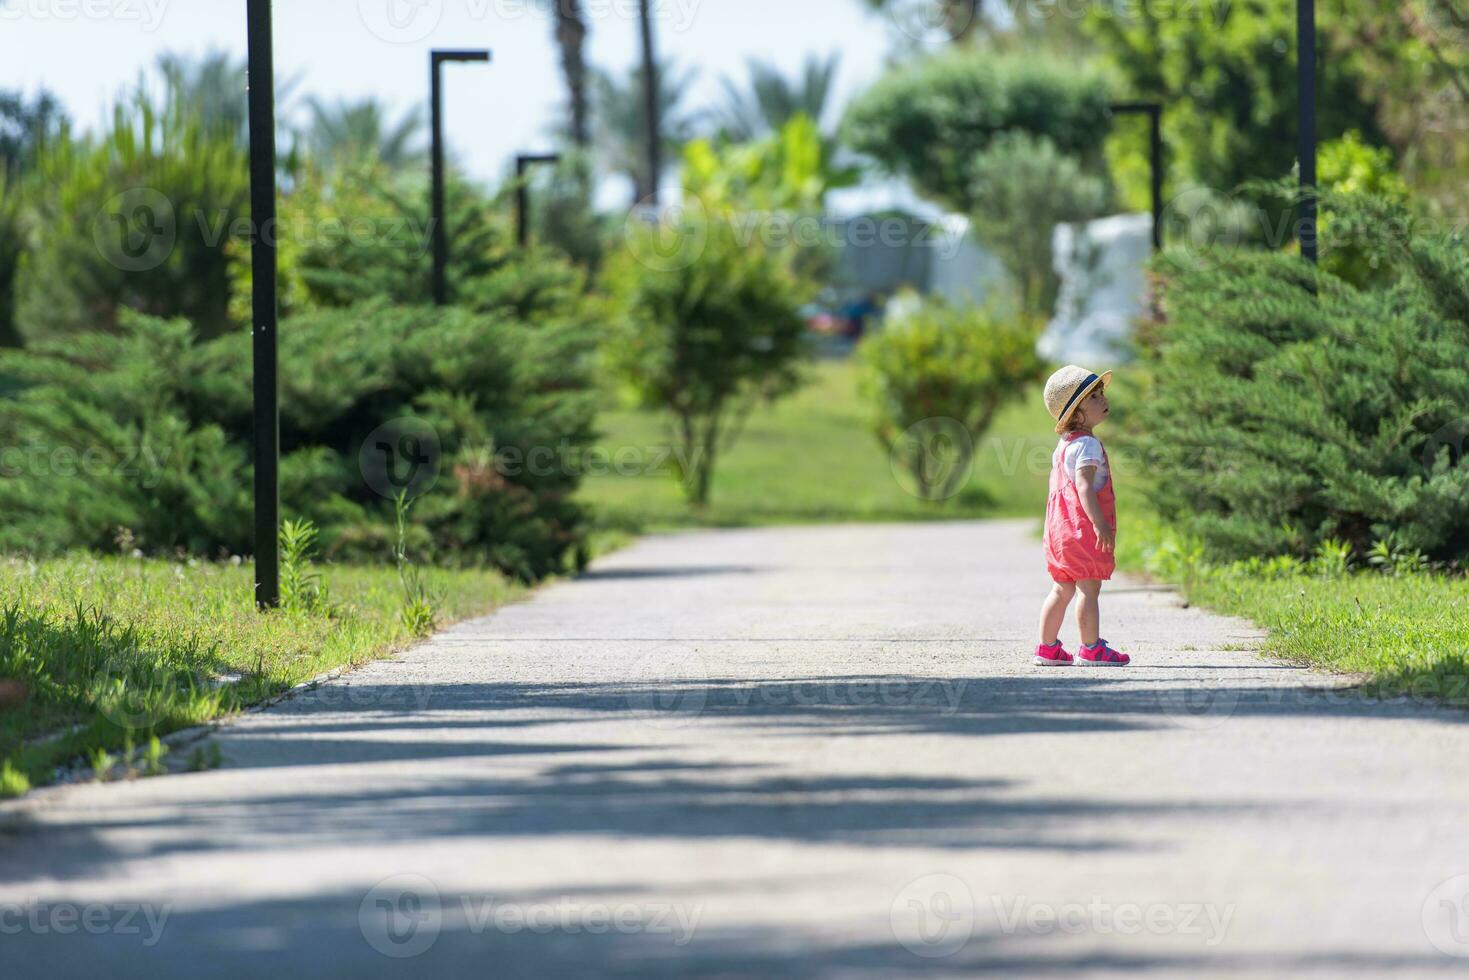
{"points": [[1094, 408]]}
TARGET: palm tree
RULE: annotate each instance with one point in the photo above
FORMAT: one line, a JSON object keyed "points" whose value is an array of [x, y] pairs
{"points": [[621, 122], [571, 36], [771, 99], [652, 107], [347, 133]]}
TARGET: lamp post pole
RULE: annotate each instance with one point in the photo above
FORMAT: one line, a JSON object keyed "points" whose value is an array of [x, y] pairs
{"points": [[436, 151], [1306, 67], [1154, 112], [523, 163], [261, 85]]}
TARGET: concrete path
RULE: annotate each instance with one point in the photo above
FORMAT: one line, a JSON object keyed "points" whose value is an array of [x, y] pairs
{"points": [[802, 752]]}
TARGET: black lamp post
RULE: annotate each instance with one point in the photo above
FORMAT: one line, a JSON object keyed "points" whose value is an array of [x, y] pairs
{"points": [[523, 163], [1306, 68], [1154, 112], [436, 111], [261, 68]]}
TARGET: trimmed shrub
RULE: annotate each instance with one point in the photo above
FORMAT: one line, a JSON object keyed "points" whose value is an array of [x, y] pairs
{"points": [[936, 380], [927, 121], [1290, 407], [146, 433], [706, 338]]}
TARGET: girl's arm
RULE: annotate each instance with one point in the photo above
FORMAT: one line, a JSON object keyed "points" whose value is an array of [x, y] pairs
{"points": [[1087, 490]]}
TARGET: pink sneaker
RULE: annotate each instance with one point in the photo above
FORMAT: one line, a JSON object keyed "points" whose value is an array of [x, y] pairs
{"points": [[1102, 655], [1052, 656]]}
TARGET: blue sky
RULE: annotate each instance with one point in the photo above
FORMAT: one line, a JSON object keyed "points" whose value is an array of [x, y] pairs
{"points": [[86, 50]]}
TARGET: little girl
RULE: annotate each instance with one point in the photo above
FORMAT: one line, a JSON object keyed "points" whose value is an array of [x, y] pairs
{"points": [[1081, 519]]}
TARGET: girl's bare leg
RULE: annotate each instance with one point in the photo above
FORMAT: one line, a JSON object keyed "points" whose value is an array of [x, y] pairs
{"points": [[1053, 611], [1089, 612]]}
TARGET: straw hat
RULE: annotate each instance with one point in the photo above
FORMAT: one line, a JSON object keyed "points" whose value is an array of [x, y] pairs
{"points": [[1068, 388]]}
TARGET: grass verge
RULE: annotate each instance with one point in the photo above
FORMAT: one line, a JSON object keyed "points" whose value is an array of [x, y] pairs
{"points": [[1407, 634], [97, 653]]}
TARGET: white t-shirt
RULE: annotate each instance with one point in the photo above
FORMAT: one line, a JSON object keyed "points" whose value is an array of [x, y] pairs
{"points": [[1083, 450]]}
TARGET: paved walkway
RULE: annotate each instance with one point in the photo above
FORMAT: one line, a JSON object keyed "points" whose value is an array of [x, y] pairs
{"points": [[799, 752]]}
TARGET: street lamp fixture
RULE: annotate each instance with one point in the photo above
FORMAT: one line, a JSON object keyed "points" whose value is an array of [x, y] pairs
{"points": [[523, 163], [1154, 112], [436, 111], [261, 85], [1306, 67]]}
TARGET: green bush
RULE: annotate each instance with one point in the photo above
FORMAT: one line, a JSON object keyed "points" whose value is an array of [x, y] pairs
{"points": [[148, 430], [936, 380], [929, 120], [1023, 187], [1290, 407], [706, 338], [135, 217]]}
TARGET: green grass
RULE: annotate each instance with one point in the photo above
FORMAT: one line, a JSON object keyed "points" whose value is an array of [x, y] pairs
{"points": [[1406, 635], [813, 458], [100, 652]]}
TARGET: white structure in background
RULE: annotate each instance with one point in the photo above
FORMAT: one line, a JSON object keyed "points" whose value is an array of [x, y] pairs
{"points": [[1102, 288], [933, 252]]}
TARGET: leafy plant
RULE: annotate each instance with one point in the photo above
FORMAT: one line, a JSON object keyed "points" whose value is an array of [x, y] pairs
{"points": [[928, 120], [102, 762], [302, 588], [13, 782], [706, 340], [1333, 559], [1022, 188], [1390, 556], [1289, 406], [419, 615], [936, 379], [206, 757], [153, 754]]}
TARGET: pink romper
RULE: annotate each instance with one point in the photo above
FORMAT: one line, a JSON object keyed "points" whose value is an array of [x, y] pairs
{"points": [[1072, 554]]}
